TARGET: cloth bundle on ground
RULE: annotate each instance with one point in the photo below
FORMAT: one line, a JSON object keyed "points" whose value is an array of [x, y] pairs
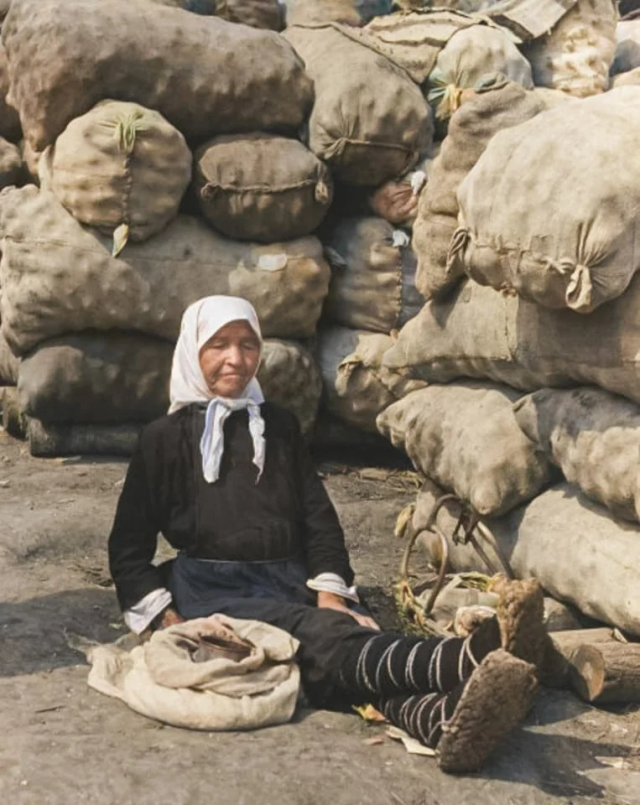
{"points": [[349, 12], [373, 280], [257, 13], [59, 277], [122, 377], [161, 680], [576, 55], [497, 104], [262, 187], [199, 72], [483, 333], [356, 386], [578, 552], [627, 55], [465, 438], [551, 207], [594, 437], [8, 365], [369, 122], [9, 120], [119, 165]]}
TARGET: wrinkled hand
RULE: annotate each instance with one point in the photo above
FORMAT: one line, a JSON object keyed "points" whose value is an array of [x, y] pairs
{"points": [[169, 617], [332, 601]]}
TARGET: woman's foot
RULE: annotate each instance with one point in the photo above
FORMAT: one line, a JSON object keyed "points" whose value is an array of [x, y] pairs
{"points": [[494, 700], [520, 613]]}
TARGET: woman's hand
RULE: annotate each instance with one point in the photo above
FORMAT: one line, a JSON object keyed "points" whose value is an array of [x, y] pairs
{"points": [[331, 601], [168, 617]]}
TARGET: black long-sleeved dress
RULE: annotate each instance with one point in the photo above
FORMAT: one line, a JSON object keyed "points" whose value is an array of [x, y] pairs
{"points": [[286, 515]]}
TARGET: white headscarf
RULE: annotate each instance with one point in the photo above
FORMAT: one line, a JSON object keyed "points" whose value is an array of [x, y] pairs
{"points": [[200, 322]]}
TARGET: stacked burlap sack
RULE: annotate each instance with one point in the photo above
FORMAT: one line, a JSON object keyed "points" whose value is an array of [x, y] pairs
{"points": [[547, 224]]}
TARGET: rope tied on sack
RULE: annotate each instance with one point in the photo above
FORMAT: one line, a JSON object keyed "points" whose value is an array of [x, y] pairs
{"points": [[126, 129], [455, 257]]}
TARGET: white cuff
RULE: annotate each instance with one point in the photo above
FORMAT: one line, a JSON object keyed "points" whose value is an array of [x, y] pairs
{"points": [[332, 583], [140, 615]]}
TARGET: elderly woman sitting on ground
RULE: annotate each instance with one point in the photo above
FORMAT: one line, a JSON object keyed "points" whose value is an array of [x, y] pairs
{"points": [[227, 479]]}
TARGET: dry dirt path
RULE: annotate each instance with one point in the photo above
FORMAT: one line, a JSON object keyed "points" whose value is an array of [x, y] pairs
{"points": [[63, 744]]}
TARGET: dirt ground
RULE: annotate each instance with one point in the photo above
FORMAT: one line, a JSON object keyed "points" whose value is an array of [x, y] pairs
{"points": [[62, 743]]}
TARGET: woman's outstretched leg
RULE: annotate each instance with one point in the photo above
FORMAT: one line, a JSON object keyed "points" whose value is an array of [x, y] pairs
{"points": [[466, 724]]}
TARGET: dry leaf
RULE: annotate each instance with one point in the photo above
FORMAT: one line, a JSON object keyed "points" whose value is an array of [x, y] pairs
{"points": [[412, 746], [369, 713], [614, 762], [376, 741]]}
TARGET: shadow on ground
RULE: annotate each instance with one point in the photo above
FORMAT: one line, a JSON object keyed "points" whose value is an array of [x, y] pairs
{"points": [[33, 632]]}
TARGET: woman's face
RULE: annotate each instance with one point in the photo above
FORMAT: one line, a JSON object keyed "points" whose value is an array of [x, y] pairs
{"points": [[230, 358]]}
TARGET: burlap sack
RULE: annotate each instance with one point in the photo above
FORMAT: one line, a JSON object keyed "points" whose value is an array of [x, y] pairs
{"points": [[630, 79], [8, 365], [262, 187], [120, 165], [53, 439], [256, 13], [369, 122], [594, 437], [578, 52], [58, 277], [194, 70], [10, 163], [550, 208], [627, 56], [9, 120], [356, 386], [482, 333], [471, 54], [101, 378], [497, 104], [373, 275], [465, 438], [349, 12], [578, 552], [159, 679]]}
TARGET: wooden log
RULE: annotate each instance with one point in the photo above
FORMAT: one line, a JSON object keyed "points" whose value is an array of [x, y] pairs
{"points": [[607, 672], [564, 644], [567, 642]]}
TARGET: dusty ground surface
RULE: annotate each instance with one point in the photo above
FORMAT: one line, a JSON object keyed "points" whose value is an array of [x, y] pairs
{"points": [[62, 743]]}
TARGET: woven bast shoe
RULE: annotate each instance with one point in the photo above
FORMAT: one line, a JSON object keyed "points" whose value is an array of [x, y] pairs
{"points": [[495, 699], [520, 612]]}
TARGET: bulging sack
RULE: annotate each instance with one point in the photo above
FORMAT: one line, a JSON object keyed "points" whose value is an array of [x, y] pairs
{"points": [[465, 437], [370, 122], [373, 275], [495, 105], [118, 377], [262, 187], [349, 12], [627, 55], [356, 386], [10, 164], [578, 52], [594, 437], [59, 277], [8, 365], [9, 119], [578, 552], [196, 71], [468, 56], [550, 208], [482, 333], [120, 165], [161, 680]]}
